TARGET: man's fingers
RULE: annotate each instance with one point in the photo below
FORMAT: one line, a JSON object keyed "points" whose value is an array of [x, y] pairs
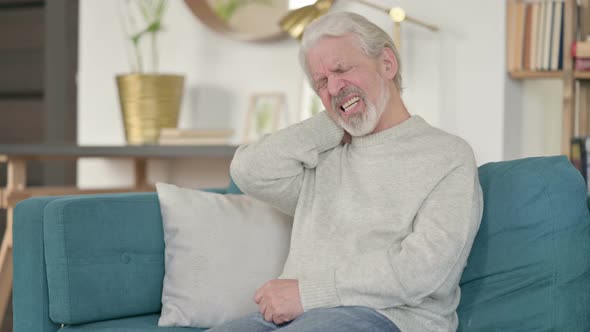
{"points": [[265, 310], [278, 319], [258, 295], [268, 315], [262, 308]]}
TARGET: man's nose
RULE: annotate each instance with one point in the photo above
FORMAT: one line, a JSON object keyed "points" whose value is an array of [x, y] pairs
{"points": [[335, 85]]}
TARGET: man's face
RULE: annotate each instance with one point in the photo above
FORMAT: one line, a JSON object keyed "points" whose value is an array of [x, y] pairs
{"points": [[351, 85]]}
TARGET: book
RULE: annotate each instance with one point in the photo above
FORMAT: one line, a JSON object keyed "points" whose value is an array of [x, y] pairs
{"points": [[556, 35], [578, 156], [560, 53], [546, 51], [176, 136], [194, 141], [534, 35], [512, 46], [581, 49], [535, 11], [528, 35], [582, 64], [541, 35], [196, 133], [520, 35]]}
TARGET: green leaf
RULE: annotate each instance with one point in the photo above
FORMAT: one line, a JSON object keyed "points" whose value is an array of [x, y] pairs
{"points": [[225, 9], [150, 14]]}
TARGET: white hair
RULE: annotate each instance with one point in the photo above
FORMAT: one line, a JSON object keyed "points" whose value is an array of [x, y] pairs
{"points": [[372, 38]]}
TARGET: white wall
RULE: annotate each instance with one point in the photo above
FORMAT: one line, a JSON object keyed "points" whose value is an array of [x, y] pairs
{"points": [[454, 78], [533, 118], [542, 104]]}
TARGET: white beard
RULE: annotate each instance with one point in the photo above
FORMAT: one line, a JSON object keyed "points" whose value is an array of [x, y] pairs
{"points": [[364, 123]]}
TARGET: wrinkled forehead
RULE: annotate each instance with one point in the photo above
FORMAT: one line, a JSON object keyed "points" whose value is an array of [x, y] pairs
{"points": [[327, 42], [330, 49]]}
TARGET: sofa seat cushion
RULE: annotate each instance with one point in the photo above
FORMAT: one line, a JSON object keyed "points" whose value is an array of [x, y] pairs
{"points": [[145, 323], [529, 268]]}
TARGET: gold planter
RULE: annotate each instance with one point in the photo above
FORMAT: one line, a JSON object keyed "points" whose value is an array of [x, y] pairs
{"points": [[148, 103]]}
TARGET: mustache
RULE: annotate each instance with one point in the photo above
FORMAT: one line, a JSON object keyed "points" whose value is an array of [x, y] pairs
{"points": [[339, 98]]}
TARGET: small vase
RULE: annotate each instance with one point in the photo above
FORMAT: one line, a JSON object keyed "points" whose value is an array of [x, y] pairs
{"points": [[149, 102]]}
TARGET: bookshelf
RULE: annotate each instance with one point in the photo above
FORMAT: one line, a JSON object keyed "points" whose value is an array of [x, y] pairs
{"points": [[531, 74], [582, 75], [519, 48]]}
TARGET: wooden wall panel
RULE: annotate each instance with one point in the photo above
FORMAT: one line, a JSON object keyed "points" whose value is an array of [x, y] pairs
{"points": [[26, 116], [22, 71], [22, 36], [22, 29]]}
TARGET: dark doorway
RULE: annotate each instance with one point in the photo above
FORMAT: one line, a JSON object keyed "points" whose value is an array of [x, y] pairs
{"points": [[38, 65]]}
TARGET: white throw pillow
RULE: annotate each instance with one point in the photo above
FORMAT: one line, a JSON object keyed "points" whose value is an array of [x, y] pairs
{"points": [[218, 250]]}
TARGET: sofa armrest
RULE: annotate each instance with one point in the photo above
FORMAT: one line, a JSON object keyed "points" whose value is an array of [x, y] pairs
{"points": [[104, 257], [30, 297]]}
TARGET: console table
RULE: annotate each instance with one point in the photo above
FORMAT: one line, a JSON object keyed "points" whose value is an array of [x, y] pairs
{"points": [[16, 190]]}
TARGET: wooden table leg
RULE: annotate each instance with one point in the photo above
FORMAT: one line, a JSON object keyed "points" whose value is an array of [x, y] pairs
{"points": [[6, 267], [17, 179], [140, 173]]}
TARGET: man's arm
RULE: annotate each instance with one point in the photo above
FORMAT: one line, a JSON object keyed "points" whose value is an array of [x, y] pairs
{"points": [[436, 251], [272, 169]]}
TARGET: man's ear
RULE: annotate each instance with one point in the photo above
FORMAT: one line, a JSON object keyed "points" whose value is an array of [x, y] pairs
{"points": [[389, 63]]}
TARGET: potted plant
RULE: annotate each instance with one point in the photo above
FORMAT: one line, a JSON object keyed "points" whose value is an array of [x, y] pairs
{"points": [[149, 100]]}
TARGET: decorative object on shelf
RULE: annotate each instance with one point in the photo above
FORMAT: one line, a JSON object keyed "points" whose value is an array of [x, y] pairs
{"points": [[246, 20], [174, 136], [264, 115], [295, 21], [311, 104], [581, 54], [149, 100]]}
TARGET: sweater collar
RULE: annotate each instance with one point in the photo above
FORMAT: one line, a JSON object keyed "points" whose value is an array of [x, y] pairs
{"points": [[410, 125]]}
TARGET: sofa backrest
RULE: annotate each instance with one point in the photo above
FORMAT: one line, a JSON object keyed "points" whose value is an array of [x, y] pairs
{"points": [[529, 265], [529, 269]]}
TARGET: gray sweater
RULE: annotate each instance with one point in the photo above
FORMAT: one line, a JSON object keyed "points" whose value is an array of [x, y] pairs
{"points": [[385, 222]]}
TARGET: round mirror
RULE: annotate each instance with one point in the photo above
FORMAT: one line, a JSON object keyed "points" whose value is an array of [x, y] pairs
{"points": [[250, 20]]}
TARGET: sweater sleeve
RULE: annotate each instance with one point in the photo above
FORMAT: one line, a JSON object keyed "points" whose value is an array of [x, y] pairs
{"points": [[272, 169], [431, 257]]}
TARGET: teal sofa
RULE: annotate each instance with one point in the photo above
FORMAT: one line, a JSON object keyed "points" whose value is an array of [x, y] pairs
{"points": [[96, 263]]}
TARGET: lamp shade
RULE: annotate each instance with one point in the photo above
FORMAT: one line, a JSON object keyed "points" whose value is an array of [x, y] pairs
{"points": [[296, 20]]}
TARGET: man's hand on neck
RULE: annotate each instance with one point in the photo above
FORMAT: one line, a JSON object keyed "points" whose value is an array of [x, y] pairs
{"points": [[347, 138]]}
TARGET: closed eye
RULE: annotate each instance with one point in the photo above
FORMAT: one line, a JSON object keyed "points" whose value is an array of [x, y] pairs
{"points": [[320, 84], [341, 70]]}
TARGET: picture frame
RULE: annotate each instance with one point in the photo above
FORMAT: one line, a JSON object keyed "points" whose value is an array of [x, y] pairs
{"points": [[264, 115], [310, 102]]}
